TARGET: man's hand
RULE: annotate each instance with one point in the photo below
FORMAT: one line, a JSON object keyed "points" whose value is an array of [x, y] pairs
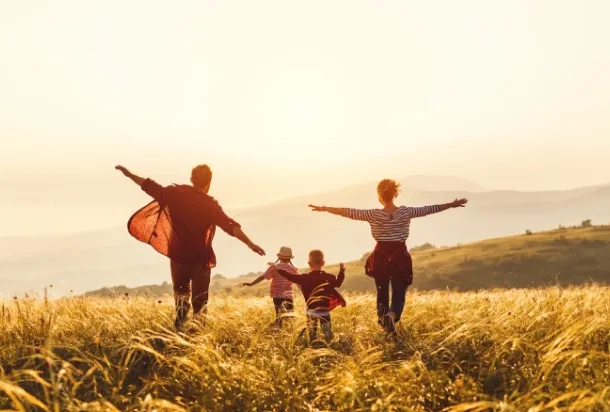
{"points": [[136, 179], [459, 203], [256, 249], [239, 234], [341, 266], [246, 284], [123, 170]]}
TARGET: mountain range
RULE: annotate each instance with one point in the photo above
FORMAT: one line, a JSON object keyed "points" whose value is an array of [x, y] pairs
{"points": [[85, 261]]}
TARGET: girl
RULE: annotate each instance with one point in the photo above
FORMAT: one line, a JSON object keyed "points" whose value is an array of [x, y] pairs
{"points": [[280, 288]]}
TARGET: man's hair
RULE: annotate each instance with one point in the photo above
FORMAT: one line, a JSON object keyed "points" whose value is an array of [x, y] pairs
{"points": [[316, 257], [201, 176]]}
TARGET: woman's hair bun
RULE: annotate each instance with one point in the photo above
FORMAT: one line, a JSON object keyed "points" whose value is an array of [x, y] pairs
{"points": [[388, 189]]}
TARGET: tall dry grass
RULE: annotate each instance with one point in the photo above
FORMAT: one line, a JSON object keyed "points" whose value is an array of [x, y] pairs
{"points": [[519, 350]]}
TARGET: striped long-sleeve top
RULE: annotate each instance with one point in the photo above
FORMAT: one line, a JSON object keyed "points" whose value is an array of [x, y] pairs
{"points": [[390, 227]]}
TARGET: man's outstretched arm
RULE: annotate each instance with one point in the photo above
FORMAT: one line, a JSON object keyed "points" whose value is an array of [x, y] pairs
{"points": [[152, 188], [231, 227], [239, 234], [135, 178]]}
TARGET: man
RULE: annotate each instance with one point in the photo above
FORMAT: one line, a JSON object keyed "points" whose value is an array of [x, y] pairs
{"points": [[180, 224]]}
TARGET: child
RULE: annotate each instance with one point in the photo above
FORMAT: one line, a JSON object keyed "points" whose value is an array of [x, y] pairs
{"points": [[318, 288], [280, 288]]}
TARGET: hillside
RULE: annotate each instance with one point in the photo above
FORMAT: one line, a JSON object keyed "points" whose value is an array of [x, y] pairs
{"points": [[567, 256], [87, 261]]}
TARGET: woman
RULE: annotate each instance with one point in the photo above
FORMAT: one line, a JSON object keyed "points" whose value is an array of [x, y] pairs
{"points": [[390, 263]]}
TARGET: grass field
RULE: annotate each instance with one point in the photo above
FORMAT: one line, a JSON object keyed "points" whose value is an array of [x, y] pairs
{"points": [[539, 350]]}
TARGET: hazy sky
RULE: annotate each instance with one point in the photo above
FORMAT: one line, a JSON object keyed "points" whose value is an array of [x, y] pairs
{"points": [[290, 97]]}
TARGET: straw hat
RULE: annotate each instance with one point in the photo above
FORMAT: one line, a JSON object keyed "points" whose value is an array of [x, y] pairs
{"points": [[285, 253]]}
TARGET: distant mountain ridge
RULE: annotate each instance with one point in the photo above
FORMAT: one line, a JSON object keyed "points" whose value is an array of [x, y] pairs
{"points": [[568, 256], [92, 260]]}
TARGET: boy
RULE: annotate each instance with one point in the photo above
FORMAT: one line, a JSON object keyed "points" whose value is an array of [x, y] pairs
{"points": [[318, 288]]}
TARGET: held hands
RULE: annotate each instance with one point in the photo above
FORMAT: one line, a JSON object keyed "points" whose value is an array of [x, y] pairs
{"points": [[246, 284], [459, 203], [341, 267]]}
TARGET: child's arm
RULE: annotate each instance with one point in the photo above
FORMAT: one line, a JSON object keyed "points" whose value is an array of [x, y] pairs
{"points": [[255, 281], [298, 279], [267, 275], [340, 277]]}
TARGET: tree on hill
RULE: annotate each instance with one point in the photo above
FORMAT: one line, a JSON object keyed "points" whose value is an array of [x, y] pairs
{"points": [[586, 223], [365, 257], [251, 275], [218, 276], [421, 248]]}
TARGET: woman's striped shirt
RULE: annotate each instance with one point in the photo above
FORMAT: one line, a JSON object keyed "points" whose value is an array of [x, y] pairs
{"points": [[390, 227]]}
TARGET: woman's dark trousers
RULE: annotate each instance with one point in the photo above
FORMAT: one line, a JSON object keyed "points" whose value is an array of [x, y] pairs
{"points": [[398, 282]]}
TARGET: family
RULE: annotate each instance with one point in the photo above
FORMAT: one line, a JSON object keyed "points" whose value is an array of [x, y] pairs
{"points": [[181, 221]]}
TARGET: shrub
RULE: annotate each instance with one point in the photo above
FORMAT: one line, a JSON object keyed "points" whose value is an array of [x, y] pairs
{"points": [[586, 223], [218, 276], [365, 257], [421, 248], [528, 232]]}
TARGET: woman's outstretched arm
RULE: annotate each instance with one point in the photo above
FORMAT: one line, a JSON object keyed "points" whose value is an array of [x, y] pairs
{"points": [[428, 210], [339, 211], [354, 214], [455, 203]]}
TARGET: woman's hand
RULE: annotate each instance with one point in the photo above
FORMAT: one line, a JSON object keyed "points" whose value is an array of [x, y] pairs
{"points": [[459, 203], [339, 211], [246, 284], [317, 208]]}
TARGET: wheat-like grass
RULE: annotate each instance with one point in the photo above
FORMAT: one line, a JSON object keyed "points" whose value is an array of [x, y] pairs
{"points": [[536, 350]]}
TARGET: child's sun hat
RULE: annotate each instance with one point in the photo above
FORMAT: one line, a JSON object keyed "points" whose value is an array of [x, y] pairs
{"points": [[285, 253]]}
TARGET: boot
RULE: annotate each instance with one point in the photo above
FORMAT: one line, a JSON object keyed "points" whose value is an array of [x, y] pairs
{"points": [[182, 310], [326, 330], [389, 323]]}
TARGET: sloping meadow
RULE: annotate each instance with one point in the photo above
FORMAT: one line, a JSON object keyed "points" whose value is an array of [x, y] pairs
{"points": [[543, 349]]}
